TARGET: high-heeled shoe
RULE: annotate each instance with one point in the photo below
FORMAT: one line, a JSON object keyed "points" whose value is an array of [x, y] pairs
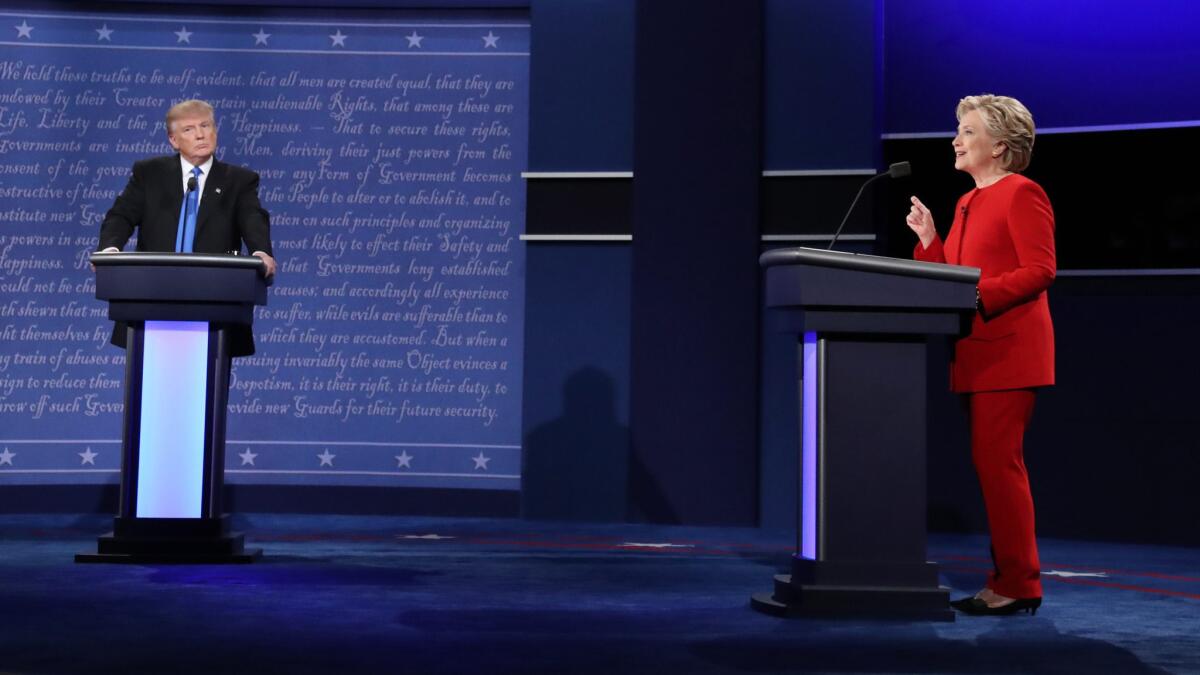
{"points": [[967, 604], [977, 607]]}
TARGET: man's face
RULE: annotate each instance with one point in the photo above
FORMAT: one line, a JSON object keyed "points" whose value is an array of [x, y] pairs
{"points": [[195, 137]]}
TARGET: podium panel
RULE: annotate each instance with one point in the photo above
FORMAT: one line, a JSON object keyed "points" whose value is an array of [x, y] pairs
{"points": [[170, 471], [861, 324]]}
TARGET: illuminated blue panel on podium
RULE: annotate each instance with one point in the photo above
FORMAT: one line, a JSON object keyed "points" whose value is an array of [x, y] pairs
{"points": [[174, 385], [808, 448]]}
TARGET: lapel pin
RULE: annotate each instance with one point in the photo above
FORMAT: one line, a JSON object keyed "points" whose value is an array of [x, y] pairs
{"points": [[217, 190]]}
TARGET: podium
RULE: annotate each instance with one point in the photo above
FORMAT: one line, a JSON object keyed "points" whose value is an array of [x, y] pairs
{"points": [[862, 323], [179, 309]]}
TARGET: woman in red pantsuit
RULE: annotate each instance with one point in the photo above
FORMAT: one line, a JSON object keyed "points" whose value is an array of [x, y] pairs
{"points": [[1005, 227]]}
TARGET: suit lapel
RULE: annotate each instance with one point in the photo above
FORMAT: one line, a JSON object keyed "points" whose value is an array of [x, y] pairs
{"points": [[174, 175], [210, 200]]}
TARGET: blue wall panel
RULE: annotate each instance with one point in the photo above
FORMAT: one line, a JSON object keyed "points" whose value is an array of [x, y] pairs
{"points": [[819, 80], [581, 108], [1105, 62], [576, 381], [389, 153]]}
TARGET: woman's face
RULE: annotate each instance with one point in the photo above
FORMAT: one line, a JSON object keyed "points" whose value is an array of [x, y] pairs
{"points": [[975, 151]]}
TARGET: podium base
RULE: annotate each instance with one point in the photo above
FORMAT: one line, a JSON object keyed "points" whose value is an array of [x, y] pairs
{"points": [[171, 540], [855, 602], [246, 556]]}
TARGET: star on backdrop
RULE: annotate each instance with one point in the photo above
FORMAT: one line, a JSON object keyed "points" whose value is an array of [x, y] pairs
{"points": [[403, 460], [481, 462], [339, 40], [248, 457], [6, 457], [260, 38], [24, 30], [184, 35], [326, 458], [490, 39], [414, 40], [87, 457], [105, 33]]}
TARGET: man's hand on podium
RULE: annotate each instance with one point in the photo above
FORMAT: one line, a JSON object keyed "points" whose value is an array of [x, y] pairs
{"points": [[270, 262], [110, 249]]}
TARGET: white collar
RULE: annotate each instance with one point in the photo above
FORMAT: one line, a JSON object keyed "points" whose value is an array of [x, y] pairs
{"points": [[205, 168]]}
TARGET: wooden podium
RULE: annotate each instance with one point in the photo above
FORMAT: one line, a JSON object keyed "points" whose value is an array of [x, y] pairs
{"points": [[178, 308], [862, 323]]}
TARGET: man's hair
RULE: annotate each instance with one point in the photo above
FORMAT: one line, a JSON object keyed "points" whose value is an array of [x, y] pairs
{"points": [[190, 108]]}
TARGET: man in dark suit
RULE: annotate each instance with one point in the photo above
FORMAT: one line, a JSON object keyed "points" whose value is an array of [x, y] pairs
{"points": [[225, 212]]}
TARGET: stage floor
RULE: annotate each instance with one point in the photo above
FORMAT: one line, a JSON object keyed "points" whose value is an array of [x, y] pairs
{"points": [[336, 594]]}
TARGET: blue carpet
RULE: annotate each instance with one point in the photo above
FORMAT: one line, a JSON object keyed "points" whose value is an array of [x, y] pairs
{"points": [[337, 594]]}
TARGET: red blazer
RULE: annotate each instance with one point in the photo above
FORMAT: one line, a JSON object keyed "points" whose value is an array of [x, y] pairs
{"points": [[1006, 230]]}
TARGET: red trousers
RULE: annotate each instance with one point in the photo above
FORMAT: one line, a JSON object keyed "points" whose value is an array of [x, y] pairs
{"points": [[998, 421]]}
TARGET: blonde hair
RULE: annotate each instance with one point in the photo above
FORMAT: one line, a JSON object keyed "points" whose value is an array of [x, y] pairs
{"points": [[1009, 122], [190, 108]]}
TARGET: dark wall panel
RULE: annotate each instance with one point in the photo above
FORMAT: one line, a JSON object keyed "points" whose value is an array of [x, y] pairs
{"points": [[1139, 209], [1114, 446], [697, 165]]}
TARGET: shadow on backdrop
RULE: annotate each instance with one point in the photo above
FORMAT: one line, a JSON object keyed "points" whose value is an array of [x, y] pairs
{"points": [[576, 466]]}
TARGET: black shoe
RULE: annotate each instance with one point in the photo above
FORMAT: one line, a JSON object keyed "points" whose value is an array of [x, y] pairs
{"points": [[977, 607], [968, 605]]}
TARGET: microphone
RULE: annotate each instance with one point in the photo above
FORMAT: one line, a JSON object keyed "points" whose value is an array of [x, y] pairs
{"points": [[897, 170], [191, 184]]}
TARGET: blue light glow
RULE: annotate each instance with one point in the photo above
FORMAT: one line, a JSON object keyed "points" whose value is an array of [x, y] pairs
{"points": [[1099, 63], [171, 451], [808, 450]]}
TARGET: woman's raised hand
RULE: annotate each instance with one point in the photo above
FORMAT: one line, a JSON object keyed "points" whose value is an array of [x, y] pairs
{"points": [[920, 221]]}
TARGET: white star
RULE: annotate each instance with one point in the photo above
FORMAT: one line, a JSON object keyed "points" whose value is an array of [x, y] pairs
{"points": [[105, 33], [87, 457], [326, 458], [414, 40], [184, 35], [1061, 573], [6, 457], [481, 461], [247, 457], [403, 460], [339, 40], [260, 38], [490, 39], [24, 30]]}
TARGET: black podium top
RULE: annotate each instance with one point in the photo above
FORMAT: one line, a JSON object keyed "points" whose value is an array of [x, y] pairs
{"points": [[139, 258], [180, 286], [849, 292], [868, 263]]}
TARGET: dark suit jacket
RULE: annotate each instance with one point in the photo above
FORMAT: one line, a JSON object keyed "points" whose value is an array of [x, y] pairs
{"points": [[229, 215]]}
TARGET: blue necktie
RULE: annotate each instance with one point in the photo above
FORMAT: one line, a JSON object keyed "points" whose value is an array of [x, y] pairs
{"points": [[186, 232]]}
